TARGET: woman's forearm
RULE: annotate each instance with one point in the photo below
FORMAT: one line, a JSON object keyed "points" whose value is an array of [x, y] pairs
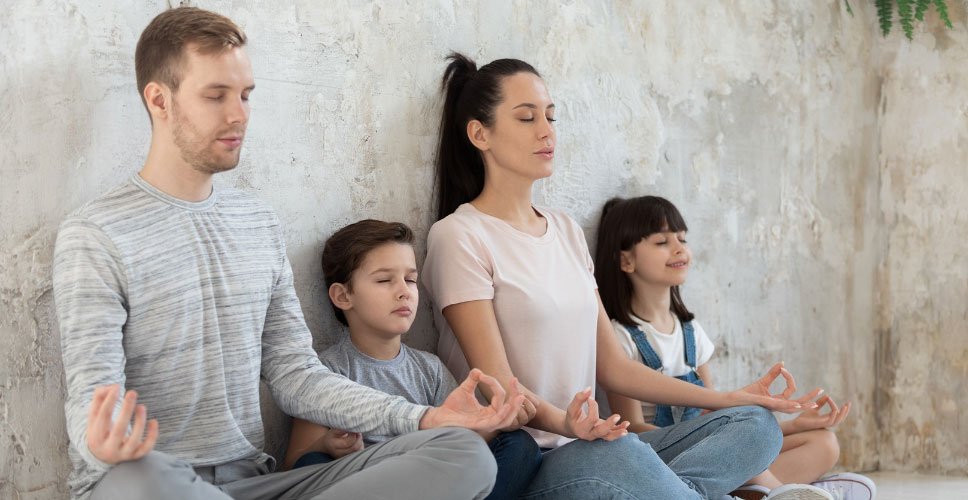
{"points": [[637, 381]]}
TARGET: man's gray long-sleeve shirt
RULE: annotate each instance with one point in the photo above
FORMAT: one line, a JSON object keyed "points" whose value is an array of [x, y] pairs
{"points": [[190, 304]]}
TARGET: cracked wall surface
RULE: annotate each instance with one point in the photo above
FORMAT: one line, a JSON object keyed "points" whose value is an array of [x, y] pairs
{"points": [[759, 120], [923, 312]]}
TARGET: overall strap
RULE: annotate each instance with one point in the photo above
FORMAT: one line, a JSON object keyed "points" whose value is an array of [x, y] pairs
{"points": [[689, 339], [649, 357]]}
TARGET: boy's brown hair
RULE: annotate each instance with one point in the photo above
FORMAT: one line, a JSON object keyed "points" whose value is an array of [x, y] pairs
{"points": [[347, 248], [160, 53]]}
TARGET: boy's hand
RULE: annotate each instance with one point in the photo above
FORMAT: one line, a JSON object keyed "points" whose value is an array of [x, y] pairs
{"points": [[337, 443], [589, 426], [110, 441], [812, 419], [461, 408], [758, 393]]}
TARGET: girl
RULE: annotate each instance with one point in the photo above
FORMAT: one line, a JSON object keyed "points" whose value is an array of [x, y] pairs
{"points": [[515, 296], [640, 261]]}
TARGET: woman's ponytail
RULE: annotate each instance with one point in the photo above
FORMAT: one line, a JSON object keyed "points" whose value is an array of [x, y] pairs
{"points": [[469, 94]]}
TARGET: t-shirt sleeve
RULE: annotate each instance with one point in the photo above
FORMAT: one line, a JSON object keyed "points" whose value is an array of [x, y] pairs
{"points": [[89, 295], [457, 268], [704, 346], [625, 340], [445, 382]]}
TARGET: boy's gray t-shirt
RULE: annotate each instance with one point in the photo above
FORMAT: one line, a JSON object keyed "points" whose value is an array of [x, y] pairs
{"points": [[418, 376]]}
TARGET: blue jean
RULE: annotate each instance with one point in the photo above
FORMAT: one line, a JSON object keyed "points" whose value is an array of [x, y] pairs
{"points": [[703, 458], [517, 455], [518, 458]]}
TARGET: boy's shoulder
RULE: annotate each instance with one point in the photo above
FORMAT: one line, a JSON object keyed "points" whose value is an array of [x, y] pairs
{"points": [[336, 357], [423, 357]]}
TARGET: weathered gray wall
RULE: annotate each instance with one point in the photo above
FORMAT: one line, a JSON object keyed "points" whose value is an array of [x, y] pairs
{"points": [[762, 122], [923, 300]]}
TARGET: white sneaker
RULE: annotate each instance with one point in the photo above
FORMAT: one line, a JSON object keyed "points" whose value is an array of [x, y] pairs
{"points": [[798, 492], [848, 486]]}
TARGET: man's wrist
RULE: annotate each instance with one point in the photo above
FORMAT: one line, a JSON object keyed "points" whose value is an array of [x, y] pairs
{"points": [[429, 419]]}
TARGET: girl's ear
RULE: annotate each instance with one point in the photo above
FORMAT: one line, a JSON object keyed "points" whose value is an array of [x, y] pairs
{"points": [[340, 295], [626, 262], [477, 135]]}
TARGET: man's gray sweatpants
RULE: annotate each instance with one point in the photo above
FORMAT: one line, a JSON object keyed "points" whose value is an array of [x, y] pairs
{"points": [[444, 463]]}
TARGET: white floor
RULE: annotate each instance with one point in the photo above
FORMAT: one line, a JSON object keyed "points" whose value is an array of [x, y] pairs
{"points": [[906, 486]]}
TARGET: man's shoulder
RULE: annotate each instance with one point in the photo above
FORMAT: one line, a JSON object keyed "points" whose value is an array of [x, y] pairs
{"points": [[236, 199], [109, 206]]}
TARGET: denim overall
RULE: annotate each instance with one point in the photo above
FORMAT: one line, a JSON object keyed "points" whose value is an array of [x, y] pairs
{"points": [[669, 415]]}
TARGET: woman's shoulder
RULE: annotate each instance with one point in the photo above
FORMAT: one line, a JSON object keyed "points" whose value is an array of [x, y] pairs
{"points": [[464, 221]]}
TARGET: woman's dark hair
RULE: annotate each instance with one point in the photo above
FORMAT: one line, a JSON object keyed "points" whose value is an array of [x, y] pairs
{"points": [[624, 224], [347, 248], [469, 94]]}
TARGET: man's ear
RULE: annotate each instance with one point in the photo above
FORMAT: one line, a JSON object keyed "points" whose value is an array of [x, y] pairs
{"points": [[477, 135], [158, 98], [339, 294], [627, 262]]}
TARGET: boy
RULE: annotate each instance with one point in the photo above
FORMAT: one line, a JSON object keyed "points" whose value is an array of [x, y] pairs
{"points": [[371, 272]]}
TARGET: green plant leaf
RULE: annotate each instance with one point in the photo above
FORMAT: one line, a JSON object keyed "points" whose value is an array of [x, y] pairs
{"points": [[905, 15], [942, 9], [851, 11], [885, 13], [921, 7]]}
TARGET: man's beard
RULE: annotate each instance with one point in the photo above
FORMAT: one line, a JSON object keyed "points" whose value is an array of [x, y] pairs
{"points": [[195, 150]]}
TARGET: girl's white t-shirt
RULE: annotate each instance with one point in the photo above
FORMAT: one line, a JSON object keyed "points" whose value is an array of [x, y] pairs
{"points": [[670, 347], [543, 293]]}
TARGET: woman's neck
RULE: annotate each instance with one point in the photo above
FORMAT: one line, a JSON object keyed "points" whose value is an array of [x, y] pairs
{"points": [[510, 200], [653, 303]]}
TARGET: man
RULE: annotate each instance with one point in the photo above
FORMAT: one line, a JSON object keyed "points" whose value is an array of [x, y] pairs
{"points": [[179, 294]]}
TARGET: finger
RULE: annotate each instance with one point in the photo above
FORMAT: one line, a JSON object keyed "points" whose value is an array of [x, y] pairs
{"points": [[772, 374], [808, 400], [831, 403], [604, 426], [593, 409], [780, 405], [575, 407], [617, 432], [843, 413], [103, 419], [529, 408], [120, 426], [497, 392], [96, 429], [791, 385], [150, 438], [133, 440]]}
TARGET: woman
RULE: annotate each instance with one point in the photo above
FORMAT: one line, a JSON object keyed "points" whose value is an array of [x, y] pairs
{"points": [[515, 295]]}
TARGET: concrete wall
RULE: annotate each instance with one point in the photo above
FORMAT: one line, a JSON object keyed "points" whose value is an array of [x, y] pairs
{"points": [[762, 122], [922, 333]]}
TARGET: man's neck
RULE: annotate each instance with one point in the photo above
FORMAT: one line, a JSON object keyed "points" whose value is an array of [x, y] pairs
{"points": [[376, 346], [165, 170]]}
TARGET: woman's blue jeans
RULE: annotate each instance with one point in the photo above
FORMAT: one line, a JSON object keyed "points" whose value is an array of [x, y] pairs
{"points": [[703, 458]]}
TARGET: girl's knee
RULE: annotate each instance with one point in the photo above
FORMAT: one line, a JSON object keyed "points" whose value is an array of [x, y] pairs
{"points": [[828, 446]]}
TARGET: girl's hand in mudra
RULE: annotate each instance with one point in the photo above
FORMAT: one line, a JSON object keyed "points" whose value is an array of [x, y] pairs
{"points": [[758, 393]]}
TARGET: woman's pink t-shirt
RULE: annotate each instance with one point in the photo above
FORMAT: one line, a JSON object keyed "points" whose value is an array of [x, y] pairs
{"points": [[543, 291]]}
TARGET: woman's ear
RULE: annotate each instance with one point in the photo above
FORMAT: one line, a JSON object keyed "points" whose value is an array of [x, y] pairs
{"points": [[477, 134], [626, 261], [339, 294]]}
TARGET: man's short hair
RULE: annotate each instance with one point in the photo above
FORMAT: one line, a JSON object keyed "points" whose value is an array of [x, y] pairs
{"points": [[347, 248], [160, 54]]}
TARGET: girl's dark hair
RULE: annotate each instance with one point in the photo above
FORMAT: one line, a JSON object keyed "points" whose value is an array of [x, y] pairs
{"points": [[346, 249], [624, 223], [469, 94]]}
